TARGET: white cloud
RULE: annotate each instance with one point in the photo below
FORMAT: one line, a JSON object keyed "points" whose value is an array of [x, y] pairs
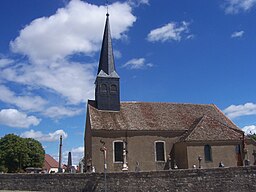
{"points": [[76, 153], [72, 29], [73, 81], [170, 32], [57, 112], [137, 63], [50, 44], [250, 129], [236, 6], [5, 62], [34, 103], [15, 118], [117, 54], [78, 150], [191, 36], [138, 2], [234, 111], [50, 137], [237, 34]]}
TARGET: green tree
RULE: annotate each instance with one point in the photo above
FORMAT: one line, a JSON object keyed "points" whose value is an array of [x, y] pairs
{"points": [[18, 153]]}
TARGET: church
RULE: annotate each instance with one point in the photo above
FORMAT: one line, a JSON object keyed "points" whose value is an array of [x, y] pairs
{"points": [[151, 136]]}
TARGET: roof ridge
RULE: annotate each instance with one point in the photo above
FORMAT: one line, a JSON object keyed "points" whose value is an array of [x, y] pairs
{"points": [[176, 103], [219, 111], [189, 131]]}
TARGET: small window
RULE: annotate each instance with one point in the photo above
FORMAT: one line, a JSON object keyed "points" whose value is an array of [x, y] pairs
{"points": [[118, 151], [113, 88], [160, 150], [103, 88], [238, 149], [208, 153]]}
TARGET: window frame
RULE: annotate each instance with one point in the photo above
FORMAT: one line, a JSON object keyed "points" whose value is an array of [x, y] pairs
{"points": [[105, 90], [164, 148], [208, 150], [113, 91], [114, 159]]}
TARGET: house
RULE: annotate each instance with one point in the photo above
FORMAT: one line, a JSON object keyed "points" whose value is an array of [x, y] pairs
{"points": [[50, 164], [150, 136]]}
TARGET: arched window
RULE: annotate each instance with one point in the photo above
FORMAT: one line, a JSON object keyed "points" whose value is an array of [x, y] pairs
{"points": [[103, 88], [159, 150], [207, 153], [118, 147], [113, 88]]}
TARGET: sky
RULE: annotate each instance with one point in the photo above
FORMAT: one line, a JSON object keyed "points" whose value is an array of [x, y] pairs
{"points": [[179, 51]]}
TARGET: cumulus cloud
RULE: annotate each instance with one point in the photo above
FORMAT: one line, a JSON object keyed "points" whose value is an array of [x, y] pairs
{"points": [[50, 45], [60, 111], [15, 118], [72, 29], [73, 81], [236, 6], [34, 103], [250, 129], [76, 153], [137, 63], [170, 32], [50, 137], [234, 111], [237, 34]]}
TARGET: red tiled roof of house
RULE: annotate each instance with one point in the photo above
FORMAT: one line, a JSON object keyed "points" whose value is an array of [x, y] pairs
{"points": [[50, 162]]}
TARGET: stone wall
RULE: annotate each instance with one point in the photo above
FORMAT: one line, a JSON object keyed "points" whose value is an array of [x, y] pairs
{"points": [[242, 179]]}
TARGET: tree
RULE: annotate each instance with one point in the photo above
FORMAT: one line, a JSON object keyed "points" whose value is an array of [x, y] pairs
{"points": [[18, 153]]}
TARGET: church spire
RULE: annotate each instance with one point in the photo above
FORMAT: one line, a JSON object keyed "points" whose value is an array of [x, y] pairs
{"points": [[107, 63], [107, 91]]}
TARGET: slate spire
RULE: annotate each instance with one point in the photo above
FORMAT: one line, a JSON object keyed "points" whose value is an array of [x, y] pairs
{"points": [[107, 89], [107, 63]]}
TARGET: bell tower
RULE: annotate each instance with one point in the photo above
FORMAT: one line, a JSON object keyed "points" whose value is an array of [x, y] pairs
{"points": [[107, 89]]}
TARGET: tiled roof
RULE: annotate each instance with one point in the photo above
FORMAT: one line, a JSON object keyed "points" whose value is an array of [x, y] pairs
{"points": [[50, 162], [209, 129], [149, 116]]}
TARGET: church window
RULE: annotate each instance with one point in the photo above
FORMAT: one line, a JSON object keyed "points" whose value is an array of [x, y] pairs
{"points": [[118, 151], [208, 153], [238, 149], [103, 88], [159, 150], [113, 88]]}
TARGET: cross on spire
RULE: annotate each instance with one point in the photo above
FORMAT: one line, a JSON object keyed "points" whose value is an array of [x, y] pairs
{"points": [[107, 8]]}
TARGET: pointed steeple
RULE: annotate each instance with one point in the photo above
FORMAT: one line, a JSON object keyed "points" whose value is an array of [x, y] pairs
{"points": [[107, 89], [107, 63]]}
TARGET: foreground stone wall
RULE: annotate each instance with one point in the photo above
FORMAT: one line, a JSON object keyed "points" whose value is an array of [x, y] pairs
{"points": [[242, 179]]}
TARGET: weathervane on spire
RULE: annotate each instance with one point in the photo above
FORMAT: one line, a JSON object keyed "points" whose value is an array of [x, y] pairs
{"points": [[107, 8]]}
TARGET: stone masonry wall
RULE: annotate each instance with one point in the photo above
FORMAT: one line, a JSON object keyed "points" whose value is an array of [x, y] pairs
{"points": [[242, 179]]}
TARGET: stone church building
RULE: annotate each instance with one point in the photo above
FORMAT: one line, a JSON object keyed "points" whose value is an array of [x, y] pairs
{"points": [[148, 136]]}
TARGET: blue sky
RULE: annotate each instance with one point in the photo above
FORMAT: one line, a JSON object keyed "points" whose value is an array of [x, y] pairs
{"points": [[165, 51]]}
